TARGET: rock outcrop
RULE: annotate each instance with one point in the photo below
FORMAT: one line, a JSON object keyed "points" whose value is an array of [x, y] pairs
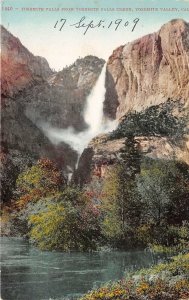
{"points": [[19, 67], [149, 70], [102, 154], [106, 152]]}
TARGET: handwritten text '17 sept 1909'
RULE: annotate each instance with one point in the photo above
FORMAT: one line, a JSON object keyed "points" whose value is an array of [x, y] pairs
{"points": [[82, 23]]}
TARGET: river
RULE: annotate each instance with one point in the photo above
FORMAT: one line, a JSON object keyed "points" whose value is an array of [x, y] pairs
{"points": [[30, 274]]}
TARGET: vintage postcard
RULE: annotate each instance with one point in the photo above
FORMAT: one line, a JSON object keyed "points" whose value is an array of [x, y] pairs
{"points": [[94, 149]]}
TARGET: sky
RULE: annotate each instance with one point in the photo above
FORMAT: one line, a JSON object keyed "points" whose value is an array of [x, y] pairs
{"points": [[36, 29]]}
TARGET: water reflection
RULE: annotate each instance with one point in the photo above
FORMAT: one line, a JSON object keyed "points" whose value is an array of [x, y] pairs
{"points": [[29, 274]]}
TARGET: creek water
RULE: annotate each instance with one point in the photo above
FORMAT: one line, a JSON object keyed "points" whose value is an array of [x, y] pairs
{"points": [[31, 274]]}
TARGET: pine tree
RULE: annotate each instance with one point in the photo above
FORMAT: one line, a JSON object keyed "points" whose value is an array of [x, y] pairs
{"points": [[130, 157], [121, 198]]}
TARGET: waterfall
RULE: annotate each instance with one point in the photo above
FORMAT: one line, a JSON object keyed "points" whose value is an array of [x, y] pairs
{"points": [[93, 116]]}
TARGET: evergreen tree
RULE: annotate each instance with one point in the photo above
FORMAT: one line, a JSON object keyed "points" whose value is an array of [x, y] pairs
{"points": [[120, 201], [130, 157]]}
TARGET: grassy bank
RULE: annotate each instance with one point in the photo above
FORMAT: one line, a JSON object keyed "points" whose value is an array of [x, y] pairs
{"points": [[167, 281]]}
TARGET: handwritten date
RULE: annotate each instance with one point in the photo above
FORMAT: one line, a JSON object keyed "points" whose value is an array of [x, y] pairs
{"points": [[82, 23]]}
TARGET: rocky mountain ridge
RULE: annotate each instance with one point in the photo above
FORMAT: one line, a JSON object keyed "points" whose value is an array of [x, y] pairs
{"points": [[19, 67], [149, 70]]}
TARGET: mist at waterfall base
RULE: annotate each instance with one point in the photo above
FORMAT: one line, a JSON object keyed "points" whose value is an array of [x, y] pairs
{"points": [[93, 116]]}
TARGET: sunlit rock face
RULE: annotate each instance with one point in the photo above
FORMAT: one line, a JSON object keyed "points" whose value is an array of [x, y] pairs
{"points": [[149, 70], [19, 67]]}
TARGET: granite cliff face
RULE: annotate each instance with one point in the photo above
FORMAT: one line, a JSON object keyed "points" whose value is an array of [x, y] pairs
{"points": [[19, 67], [153, 71], [149, 70], [63, 95]]}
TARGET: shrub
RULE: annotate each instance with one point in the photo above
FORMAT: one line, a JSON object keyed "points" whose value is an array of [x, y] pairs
{"points": [[69, 222], [41, 180], [174, 286]]}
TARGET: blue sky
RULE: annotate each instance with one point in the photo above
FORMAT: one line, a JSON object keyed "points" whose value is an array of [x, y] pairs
{"points": [[36, 29]]}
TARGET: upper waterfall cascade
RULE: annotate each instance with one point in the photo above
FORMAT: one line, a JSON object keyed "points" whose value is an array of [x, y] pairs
{"points": [[93, 116]]}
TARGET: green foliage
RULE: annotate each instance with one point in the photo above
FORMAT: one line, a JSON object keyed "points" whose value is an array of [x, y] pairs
{"points": [[120, 203], [152, 186], [120, 206], [8, 174], [130, 157], [163, 188], [53, 215], [39, 181], [139, 204], [112, 225], [178, 237], [69, 222], [149, 208], [155, 120], [55, 227], [178, 266]]}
